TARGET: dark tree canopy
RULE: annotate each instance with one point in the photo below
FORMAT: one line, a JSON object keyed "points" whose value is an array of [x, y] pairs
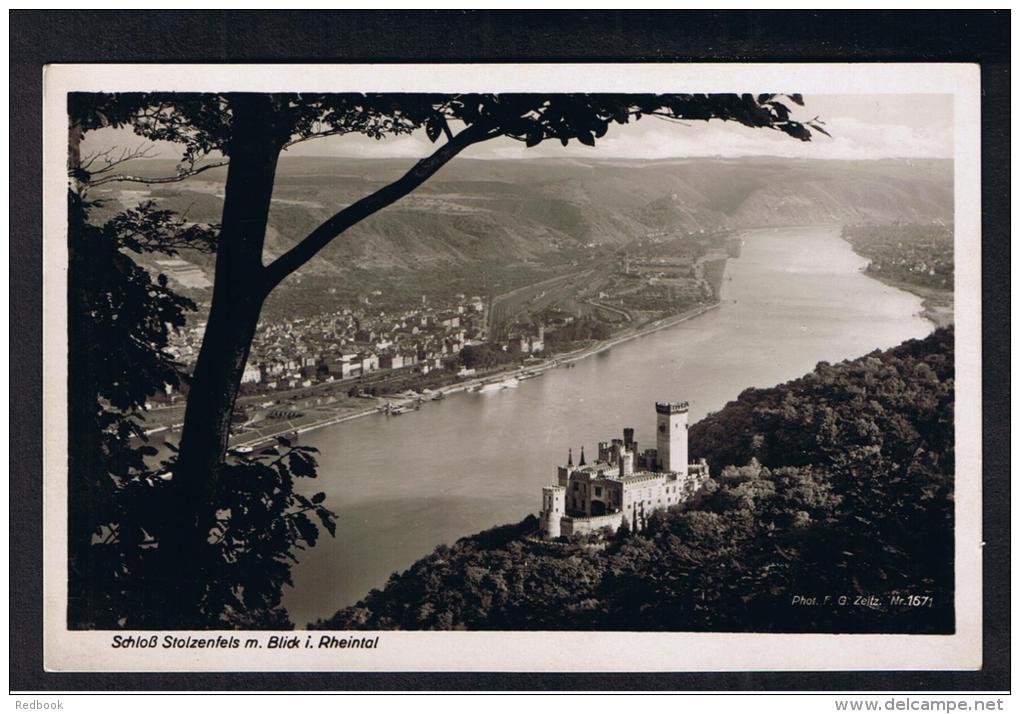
{"points": [[203, 122]]}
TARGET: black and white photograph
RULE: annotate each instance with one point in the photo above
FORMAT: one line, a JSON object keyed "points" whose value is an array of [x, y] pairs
{"points": [[522, 359]]}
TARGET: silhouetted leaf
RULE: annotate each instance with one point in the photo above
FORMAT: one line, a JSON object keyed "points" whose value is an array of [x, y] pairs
{"points": [[309, 532], [433, 129]]}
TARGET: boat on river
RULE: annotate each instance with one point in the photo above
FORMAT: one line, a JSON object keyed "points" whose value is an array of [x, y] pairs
{"points": [[509, 383], [269, 443]]}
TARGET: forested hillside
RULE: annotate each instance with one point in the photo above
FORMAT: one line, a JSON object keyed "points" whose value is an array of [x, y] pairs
{"points": [[477, 213], [835, 488]]}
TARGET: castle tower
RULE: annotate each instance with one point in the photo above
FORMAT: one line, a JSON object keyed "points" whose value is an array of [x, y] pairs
{"points": [[553, 509], [671, 436], [626, 463]]}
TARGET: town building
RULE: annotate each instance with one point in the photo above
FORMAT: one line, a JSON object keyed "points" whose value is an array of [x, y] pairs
{"points": [[352, 343], [531, 345], [624, 485]]}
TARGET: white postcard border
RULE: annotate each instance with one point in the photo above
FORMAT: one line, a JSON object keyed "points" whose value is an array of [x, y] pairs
{"points": [[77, 651]]}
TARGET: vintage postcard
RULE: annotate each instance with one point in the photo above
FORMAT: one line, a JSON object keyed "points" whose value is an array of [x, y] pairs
{"points": [[635, 367]]}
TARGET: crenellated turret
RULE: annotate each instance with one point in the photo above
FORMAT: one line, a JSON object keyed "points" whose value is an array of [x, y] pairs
{"points": [[671, 436]]}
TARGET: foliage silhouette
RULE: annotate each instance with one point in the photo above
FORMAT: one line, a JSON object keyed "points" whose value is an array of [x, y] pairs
{"points": [[120, 320]]}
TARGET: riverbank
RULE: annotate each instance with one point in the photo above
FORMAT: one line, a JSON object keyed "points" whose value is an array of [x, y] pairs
{"points": [[873, 244], [410, 400], [634, 333], [936, 305]]}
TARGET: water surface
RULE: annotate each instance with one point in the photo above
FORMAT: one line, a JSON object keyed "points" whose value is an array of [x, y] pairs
{"points": [[402, 485]]}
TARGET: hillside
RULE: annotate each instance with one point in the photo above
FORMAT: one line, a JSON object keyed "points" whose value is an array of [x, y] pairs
{"points": [[843, 487], [542, 213]]}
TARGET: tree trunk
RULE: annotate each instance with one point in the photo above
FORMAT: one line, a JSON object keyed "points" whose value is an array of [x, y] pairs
{"points": [[238, 294]]}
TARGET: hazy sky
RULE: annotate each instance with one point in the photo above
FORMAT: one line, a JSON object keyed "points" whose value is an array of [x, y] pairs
{"points": [[862, 127]]}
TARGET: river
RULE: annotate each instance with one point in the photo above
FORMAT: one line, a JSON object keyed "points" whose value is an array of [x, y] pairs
{"points": [[404, 484]]}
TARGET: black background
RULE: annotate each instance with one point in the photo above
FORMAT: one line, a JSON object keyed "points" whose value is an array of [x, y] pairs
{"points": [[41, 37]]}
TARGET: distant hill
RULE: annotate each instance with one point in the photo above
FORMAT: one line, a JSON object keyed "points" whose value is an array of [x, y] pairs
{"points": [[839, 483], [539, 212]]}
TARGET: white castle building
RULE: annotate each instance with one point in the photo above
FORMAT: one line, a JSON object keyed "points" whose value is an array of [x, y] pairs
{"points": [[624, 486]]}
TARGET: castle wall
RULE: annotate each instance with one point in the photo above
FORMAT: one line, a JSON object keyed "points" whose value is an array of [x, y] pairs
{"points": [[577, 525], [631, 501]]}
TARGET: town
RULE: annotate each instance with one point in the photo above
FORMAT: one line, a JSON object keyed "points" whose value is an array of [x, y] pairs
{"points": [[304, 372], [390, 352], [371, 351], [621, 289], [351, 343]]}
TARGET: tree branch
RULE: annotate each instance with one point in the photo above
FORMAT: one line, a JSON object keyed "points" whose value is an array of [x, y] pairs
{"points": [[143, 151], [315, 135], [332, 227], [669, 118], [88, 159], [187, 173]]}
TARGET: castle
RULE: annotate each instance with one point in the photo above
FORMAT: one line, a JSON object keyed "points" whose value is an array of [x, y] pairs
{"points": [[624, 486]]}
